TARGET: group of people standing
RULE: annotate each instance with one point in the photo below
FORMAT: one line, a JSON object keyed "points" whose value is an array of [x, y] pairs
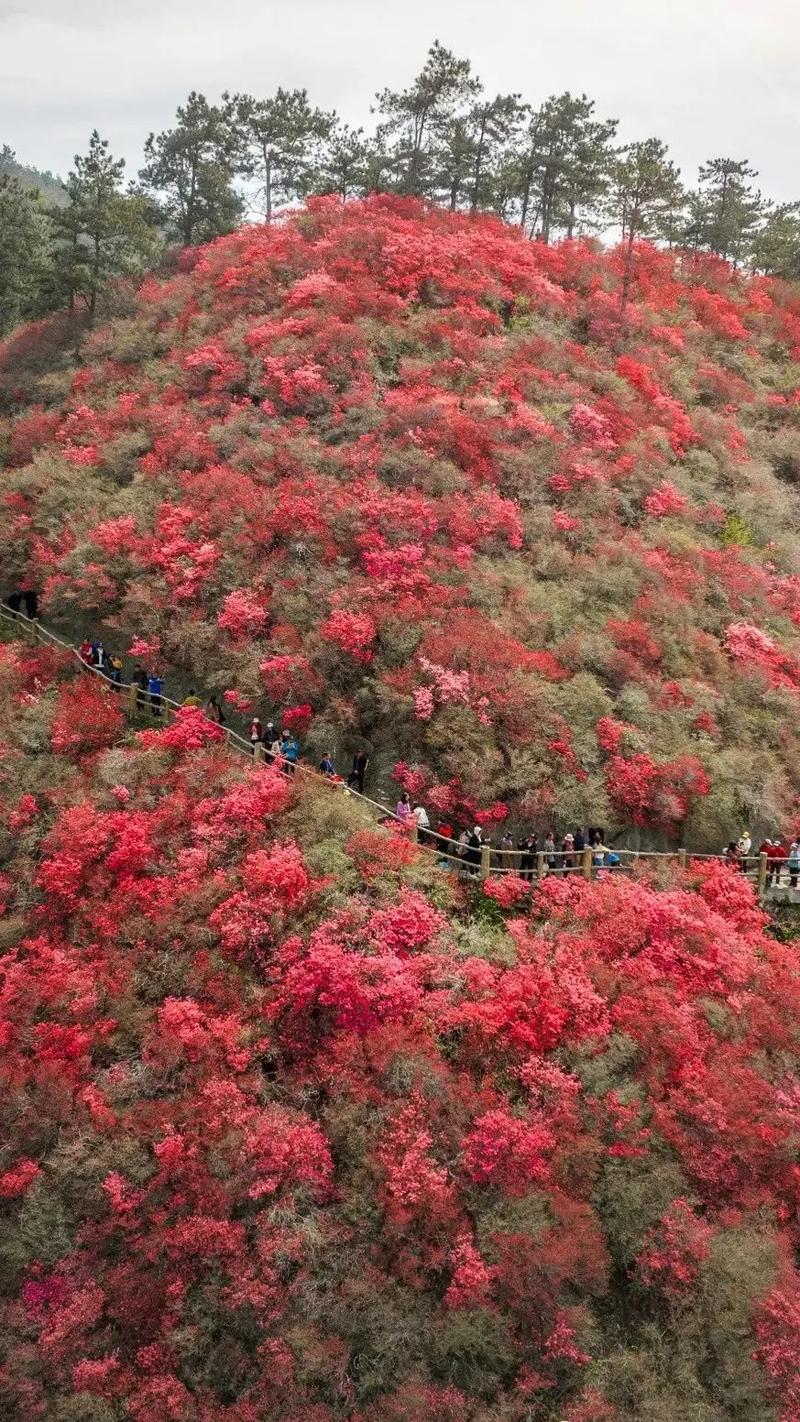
{"points": [[740, 854], [521, 857], [284, 749]]}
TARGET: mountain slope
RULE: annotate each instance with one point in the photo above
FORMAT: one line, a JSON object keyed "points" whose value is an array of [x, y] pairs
{"points": [[293, 1129], [412, 480]]}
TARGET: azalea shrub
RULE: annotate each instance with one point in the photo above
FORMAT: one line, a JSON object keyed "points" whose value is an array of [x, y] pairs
{"points": [[417, 482], [291, 1129]]}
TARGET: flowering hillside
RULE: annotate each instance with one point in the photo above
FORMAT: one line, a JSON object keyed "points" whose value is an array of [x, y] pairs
{"points": [[291, 1131], [408, 478]]}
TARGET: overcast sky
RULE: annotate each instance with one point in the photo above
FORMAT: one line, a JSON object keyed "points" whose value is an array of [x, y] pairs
{"points": [[711, 77]]}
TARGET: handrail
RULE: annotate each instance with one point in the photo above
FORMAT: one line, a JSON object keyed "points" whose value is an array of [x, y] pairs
{"points": [[427, 840]]}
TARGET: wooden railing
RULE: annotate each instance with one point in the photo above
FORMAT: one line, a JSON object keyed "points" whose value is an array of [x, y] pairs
{"points": [[448, 853]]}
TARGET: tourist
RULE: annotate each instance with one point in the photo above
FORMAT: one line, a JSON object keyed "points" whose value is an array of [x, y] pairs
{"points": [[732, 856], [506, 860], [422, 822], [139, 680], [115, 669], [403, 808], [31, 604], [530, 848], [550, 851], [359, 770], [255, 733], [85, 652], [290, 751], [794, 863], [568, 851], [326, 765], [155, 686], [776, 858], [744, 847], [214, 711], [599, 850], [579, 841], [474, 847], [192, 699], [98, 655]]}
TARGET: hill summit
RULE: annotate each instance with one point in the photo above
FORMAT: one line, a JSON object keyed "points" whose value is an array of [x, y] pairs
{"points": [[521, 519]]}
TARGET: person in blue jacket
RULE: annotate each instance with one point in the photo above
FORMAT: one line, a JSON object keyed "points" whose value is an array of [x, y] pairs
{"points": [[290, 751], [155, 686]]}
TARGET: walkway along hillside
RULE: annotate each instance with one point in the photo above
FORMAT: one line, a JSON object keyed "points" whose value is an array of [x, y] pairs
{"points": [[448, 853]]}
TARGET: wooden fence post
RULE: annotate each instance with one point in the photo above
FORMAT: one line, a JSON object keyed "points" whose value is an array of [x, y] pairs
{"points": [[133, 699], [414, 830], [587, 862], [762, 875], [258, 750], [540, 866], [682, 858], [486, 860]]}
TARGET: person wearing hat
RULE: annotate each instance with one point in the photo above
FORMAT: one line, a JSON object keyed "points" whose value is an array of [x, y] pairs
{"points": [[744, 847], [474, 847], [568, 850]]}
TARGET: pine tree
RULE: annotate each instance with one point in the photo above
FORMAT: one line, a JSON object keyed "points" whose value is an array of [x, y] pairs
{"points": [[25, 252], [190, 169], [281, 141], [645, 189], [412, 117], [565, 165], [776, 246], [730, 210], [102, 232], [344, 165]]}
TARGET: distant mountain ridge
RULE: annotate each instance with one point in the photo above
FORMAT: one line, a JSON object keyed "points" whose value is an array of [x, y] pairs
{"points": [[50, 186]]}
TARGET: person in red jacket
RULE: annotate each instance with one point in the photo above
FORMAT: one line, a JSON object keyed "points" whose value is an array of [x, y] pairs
{"points": [[776, 858]]}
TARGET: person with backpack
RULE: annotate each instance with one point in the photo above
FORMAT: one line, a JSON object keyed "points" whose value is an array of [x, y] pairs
{"points": [[115, 670]]}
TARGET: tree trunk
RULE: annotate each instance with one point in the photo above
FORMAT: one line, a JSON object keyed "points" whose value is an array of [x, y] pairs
{"points": [[571, 220], [626, 280], [267, 186], [188, 225], [95, 277], [476, 180]]}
